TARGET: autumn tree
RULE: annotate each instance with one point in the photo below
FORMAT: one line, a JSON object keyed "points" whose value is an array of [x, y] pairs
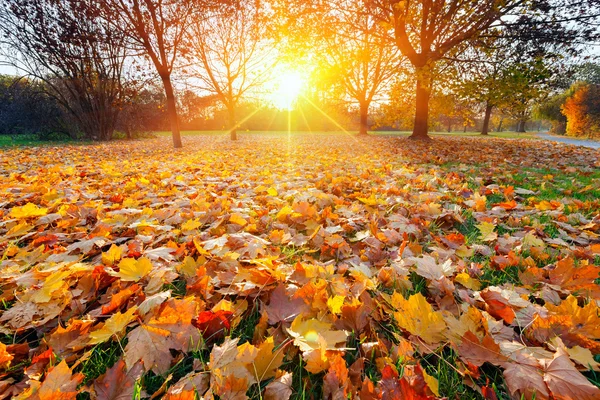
{"points": [[427, 31], [582, 110], [155, 28], [67, 45], [230, 54], [353, 50]]}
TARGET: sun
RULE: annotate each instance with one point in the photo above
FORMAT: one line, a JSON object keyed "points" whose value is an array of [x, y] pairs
{"points": [[288, 88]]}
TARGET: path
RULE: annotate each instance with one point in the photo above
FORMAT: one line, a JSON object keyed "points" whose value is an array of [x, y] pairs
{"points": [[577, 142]]}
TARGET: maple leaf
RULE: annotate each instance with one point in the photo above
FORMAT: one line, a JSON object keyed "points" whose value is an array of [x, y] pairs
{"points": [[53, 283], [282, 308], [189, 387], [27, 211], [524, 377], [220, 356], [417, 317], [213, 325], [487, 233], [115, 325], [585, 319], [280, 388], [118, 383], [317, 360], [336, 380], [266, 361], [60, 383], [312, 334], [478, 352], [564, 381], [465, 279], [498, 306], [112, 255], [171, 328], [132, 270], [428, 267], [65, 342]]}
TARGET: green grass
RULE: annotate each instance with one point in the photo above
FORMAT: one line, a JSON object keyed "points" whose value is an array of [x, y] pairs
{"points": [[8, 141]]}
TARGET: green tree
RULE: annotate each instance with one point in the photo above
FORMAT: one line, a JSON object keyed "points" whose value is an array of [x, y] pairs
{"points": [[427, 31]]}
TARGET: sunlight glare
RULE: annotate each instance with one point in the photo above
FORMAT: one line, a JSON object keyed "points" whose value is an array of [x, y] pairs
{"points": [[289, 87]]}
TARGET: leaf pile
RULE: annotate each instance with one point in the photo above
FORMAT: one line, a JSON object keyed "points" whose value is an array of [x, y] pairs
{"points": [[306, 266]]}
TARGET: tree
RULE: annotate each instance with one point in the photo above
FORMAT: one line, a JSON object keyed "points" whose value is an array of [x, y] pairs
{"points": [[66, 45], [230, 54], [157, 29], [551, 110], [355, 54], [426, 31], [582, 109], [525, 85], [26, 108]]}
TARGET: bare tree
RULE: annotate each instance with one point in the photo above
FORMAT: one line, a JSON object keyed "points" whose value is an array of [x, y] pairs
{"points": [[156, 28], [356, 53], [66, 45], [230, 54]]}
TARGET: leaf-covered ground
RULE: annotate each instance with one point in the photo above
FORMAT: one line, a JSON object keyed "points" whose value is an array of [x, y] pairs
{"points": [[304, 267]]}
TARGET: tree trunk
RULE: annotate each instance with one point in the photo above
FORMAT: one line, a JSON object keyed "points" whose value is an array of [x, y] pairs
{"points": [[232, 123], [421, 126], [449, 125], [172, 110], [465, 128], [364, 119], [486, 119], [521, 127], [499, 129]]}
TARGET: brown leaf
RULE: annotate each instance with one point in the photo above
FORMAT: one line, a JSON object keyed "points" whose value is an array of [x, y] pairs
{"points": [[565, 382], [117, 383], [478, 352]]}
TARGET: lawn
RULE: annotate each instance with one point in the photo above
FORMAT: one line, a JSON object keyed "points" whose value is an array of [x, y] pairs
{"points": [[506, 135], [300, 266]]}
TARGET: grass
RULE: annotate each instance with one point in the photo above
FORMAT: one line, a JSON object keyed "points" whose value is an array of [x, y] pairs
{"points": [[505, 135], [547, 183]]}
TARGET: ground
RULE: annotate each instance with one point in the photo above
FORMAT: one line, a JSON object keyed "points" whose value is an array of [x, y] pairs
{"points": [[301, 266]]}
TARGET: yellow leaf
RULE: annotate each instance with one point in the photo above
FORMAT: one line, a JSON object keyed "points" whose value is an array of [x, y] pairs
{"points": [[52, 283], [272, 191], [112, 255], [433, 383], [189, 266], [284, 212], [266, 363], [464, 279], [309, 335], [28, 210], [190, 225], [335, 304], [487, 231], [417, 317], [583, 357], [237, 219], [317, 360], [530, 240], [113, 326], [200, 248], [132, 270], [371, 200], [18, 230]]}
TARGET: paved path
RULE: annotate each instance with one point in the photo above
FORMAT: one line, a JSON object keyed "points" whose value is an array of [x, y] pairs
{"points": [[577, 142]]}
